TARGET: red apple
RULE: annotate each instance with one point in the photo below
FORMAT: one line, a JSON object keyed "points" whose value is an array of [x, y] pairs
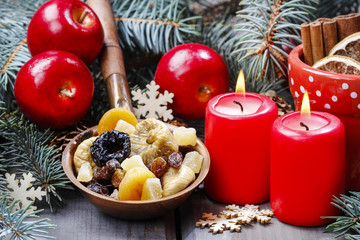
{"points": [[194, 73], [68, 25], [54, 89]]}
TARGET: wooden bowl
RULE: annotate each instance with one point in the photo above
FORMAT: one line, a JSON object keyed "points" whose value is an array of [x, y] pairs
{"points": [[133, 210]]}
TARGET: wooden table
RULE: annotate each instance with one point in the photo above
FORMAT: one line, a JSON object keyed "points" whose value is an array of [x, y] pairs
{"points": [[79, 220]]}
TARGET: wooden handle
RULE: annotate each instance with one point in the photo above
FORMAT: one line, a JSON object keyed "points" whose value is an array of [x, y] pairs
{"points": [[112, 61]]}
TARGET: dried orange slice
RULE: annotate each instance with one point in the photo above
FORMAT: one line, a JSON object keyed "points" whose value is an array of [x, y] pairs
{"points": [[109, 120], [349, 47], [338, 64]]}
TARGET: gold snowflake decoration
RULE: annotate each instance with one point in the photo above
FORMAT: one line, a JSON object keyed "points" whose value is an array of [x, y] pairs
{"points": [[233, 217], [24, 192]]}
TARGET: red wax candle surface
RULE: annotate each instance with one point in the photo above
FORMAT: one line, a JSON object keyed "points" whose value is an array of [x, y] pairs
{"points": [[307, 167], [239, 146]]}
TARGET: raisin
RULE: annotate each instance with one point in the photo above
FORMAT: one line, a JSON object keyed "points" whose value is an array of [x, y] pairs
{"points": [[98, 188], [175, 160], [117, 177], [185, 149], [112, 165], [102, 174], [110, 145], [159, 167]]}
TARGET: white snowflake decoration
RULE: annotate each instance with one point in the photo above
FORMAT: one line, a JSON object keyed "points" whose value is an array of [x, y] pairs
{"points": [[152, 104], [24, 192]]}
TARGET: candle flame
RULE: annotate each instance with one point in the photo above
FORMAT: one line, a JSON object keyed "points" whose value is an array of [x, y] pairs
{"points": [[240, 84], [305, 106]]}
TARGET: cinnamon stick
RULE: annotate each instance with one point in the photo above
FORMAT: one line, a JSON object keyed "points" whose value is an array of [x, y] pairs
{"points": [[330, 36], [347, 25], [306, 41], [317, 44]]}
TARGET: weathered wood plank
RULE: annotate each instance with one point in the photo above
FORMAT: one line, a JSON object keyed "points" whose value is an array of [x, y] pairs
{"points": [[199, 203], [79, 220]]}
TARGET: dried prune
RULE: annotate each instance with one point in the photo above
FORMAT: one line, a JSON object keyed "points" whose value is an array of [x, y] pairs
{"points": [[159, 167], [110, 145], [175, 160], [98, 188]]}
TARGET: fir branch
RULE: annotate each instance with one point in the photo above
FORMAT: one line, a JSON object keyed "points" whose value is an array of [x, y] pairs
{"points": [[221, 36], [152, 26], [2, 178], [20, 224], [348, 225], [333, 8], [14, 17], [26, 148], [266, 28], [100, 103]]}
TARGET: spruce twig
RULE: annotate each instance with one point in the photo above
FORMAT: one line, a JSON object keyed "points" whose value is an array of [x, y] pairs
{"points": [[267, 29], [20, 224], [26, 148], [348, 225], [333, 8], [152, 26]]}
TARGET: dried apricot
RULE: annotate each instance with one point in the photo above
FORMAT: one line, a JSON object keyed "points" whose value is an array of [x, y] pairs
{"points": [[109, 120]]}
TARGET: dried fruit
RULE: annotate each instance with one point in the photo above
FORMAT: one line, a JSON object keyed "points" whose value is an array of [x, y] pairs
{"points": [[175, 180], [194, 161], [109, 120], [85, 173], [132, 184], [102, 174], [123, 126], [134, 161], [112, 165], [83, 154], [175, 159], [98, 188], [159, 167], [152, 189], [117, 177], [152, 139], [110, 145], [185, 149], [338, 64], [348, 47], [185, 136]]}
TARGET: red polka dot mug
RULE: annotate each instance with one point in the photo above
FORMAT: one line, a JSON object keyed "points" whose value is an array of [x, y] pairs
{"points": [[338, 94]]}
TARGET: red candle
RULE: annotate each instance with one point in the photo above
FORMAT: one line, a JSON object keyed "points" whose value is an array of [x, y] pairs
{"points": [[307, 167], [237, 136]]}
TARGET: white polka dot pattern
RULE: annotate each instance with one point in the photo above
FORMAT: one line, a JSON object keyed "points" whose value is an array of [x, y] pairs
{"points": [[296, 94], [292, 81], [327, 106], [345, 86], [353, 95], [334, 98], [311, 79], [318, 93], [302, 89]]}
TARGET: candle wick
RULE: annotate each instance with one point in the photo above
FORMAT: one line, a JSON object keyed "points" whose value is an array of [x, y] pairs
{"points": [[304, 125], [238, 103]]}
